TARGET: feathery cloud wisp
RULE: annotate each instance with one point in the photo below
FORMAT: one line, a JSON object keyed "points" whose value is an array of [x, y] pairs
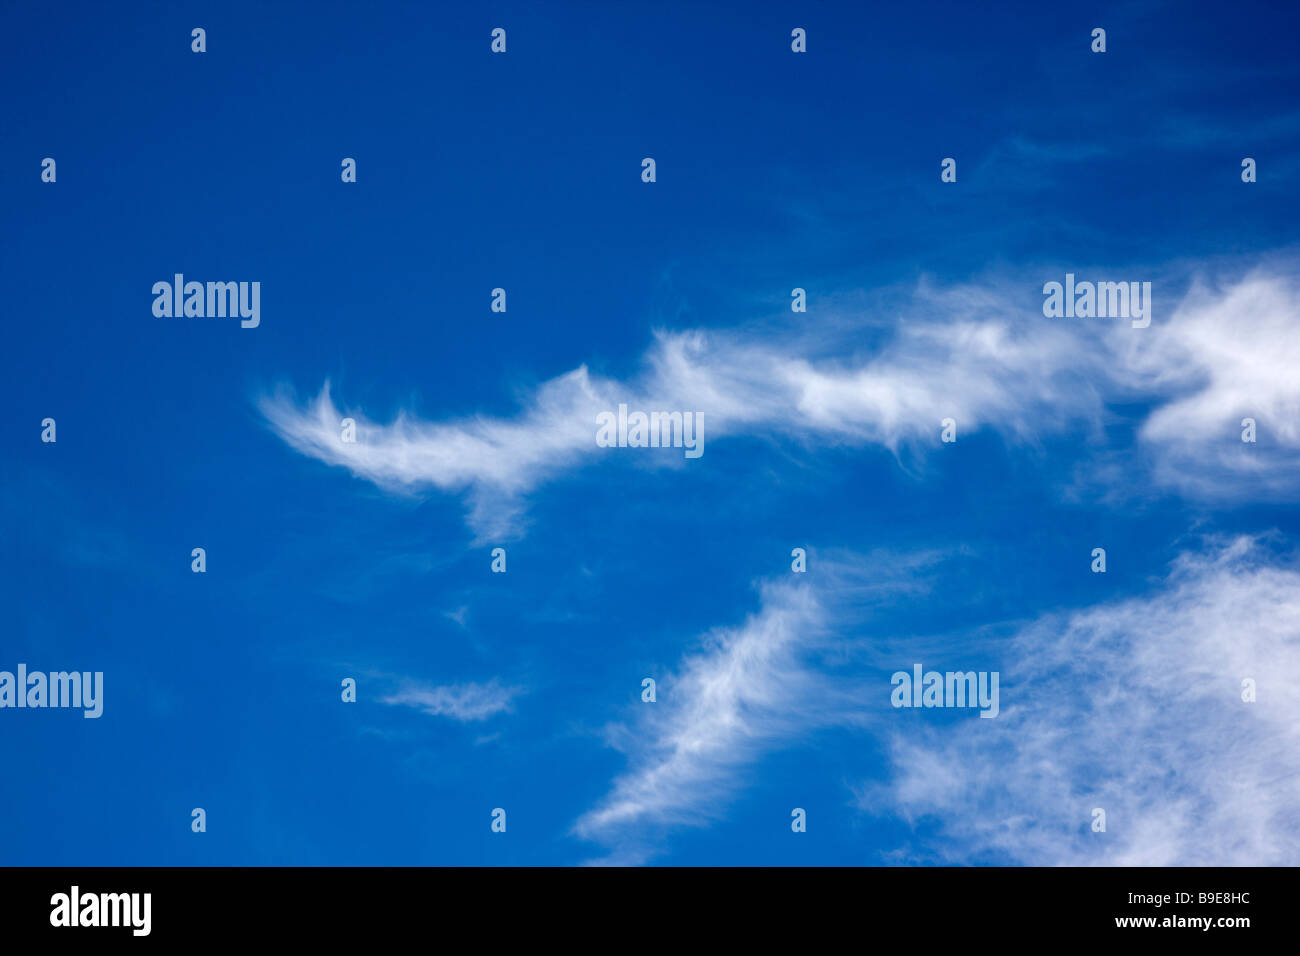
{"points": [[746, 691], [1135, 708], [463, 702], [961, 353]]}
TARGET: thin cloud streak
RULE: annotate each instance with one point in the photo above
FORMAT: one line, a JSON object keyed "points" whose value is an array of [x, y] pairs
{"points": [[1222, 354], [746, 691], [468, 702]]}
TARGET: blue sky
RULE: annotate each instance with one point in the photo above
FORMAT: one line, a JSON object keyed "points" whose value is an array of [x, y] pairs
{"points": [[521, 690]]}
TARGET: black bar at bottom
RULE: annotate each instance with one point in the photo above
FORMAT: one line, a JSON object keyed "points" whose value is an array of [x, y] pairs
{"points": [[649, 907]]}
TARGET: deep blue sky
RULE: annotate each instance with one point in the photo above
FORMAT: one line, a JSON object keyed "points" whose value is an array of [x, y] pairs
{"points": [[522, 171]]}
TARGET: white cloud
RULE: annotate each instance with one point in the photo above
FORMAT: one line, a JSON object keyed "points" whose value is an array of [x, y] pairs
{"points": [[744, 691], [494, 460], [1225, 354], [962, 353], [463, 702], [1133, 707], [981, 371]]}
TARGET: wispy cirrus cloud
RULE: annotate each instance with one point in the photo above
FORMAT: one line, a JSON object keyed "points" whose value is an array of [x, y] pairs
{"points": [[1226, 354], [963, 352], [743, 692], [745, 689], [1134, 707], [466, 702], [981, 371]]}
